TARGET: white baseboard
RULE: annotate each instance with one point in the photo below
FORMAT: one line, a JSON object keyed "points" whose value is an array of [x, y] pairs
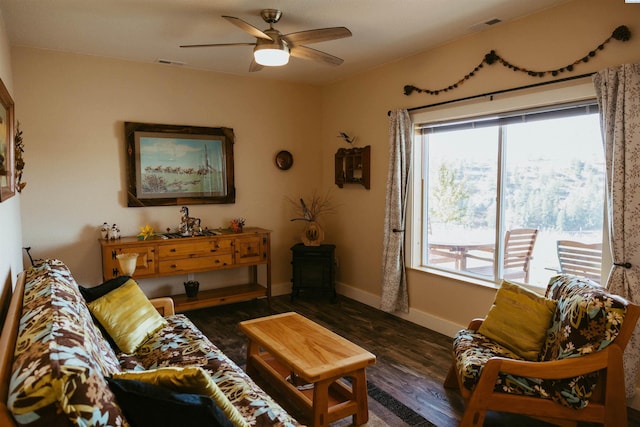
{"points": [[278, 289], [418, 317]]}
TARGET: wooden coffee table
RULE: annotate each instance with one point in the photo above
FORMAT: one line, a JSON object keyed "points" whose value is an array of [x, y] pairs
{"points": [[289, 345]]}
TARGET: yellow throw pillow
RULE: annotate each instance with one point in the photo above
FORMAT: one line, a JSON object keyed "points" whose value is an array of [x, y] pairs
{"points": [[127, 315], [191, 379], [518, 320]]}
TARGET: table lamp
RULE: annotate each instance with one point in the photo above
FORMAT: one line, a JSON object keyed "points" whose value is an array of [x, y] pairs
{"points": [[127, 263]]}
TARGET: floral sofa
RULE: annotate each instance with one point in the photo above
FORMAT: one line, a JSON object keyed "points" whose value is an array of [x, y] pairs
{"points": [[66, 372]]}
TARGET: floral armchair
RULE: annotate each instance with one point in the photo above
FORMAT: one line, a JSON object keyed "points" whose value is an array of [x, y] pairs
{"points": [[577, 375]]}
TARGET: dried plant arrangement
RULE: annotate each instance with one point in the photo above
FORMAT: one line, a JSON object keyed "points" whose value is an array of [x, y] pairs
{"points": [[318, 206]]}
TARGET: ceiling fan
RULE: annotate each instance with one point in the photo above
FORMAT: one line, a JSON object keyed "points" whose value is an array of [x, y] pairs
{"points": [[272, 48]]}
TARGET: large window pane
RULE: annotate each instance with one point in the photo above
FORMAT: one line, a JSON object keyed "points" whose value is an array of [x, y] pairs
{"points": [[461, 199], [536, 182], [554, 181]]}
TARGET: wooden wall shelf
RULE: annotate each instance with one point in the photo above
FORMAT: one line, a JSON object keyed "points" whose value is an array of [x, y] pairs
{"points": [[353, 166]]}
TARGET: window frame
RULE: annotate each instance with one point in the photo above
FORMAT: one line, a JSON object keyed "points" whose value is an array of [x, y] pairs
{"points": [[566, 95]]}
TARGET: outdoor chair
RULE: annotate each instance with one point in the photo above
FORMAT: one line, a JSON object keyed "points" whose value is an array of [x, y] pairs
{"points": [[580, 259], [440, 255], [518, 252]]}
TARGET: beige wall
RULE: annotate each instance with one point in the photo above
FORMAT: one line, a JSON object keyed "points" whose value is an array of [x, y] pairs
{"points": [[72, 110], [10, 223]]}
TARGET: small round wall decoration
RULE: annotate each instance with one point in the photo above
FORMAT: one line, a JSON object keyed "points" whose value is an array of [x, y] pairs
{"points": [[284, 160]]}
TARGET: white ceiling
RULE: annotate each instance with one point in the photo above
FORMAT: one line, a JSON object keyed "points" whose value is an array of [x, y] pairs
{"points": [[148, 30]]}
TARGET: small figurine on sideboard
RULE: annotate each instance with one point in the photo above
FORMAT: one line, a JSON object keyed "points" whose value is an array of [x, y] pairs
{"points": [[114, 232]]}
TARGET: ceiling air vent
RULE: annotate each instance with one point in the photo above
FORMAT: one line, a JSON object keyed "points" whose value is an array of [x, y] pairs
{"points": [[169, 62], [486, 24]]}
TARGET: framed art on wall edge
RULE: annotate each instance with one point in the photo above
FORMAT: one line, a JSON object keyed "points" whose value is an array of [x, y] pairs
{"points": [[7, 167]]}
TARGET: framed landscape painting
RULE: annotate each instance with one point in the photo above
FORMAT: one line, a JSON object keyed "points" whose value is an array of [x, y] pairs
{"points": [[179, 165], [7, 167]]}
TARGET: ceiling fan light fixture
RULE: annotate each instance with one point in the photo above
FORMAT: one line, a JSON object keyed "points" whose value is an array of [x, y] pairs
{"points": [[271, 53], [271, 57], [272, 48]]}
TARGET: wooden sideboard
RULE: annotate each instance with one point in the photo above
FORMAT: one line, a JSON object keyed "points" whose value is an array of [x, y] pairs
{"points": [[158, 257]]}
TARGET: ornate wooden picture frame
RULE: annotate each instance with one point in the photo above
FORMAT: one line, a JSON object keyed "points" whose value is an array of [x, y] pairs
{"points": [[178, 165], [7, 149]]}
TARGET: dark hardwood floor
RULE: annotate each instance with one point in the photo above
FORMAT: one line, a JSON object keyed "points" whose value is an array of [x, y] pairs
{"points": [[411, 364]]}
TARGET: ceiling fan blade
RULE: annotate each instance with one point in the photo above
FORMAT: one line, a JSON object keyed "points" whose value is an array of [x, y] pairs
{"points": [[218, 44], [245, 26], [304, 52], [255, 66], [316, 36]]}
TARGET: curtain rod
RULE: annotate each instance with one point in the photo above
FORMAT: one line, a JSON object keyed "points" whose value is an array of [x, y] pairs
{"points": [[498, 92]]}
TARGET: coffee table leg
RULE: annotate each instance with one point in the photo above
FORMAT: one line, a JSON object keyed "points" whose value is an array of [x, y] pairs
{"points": [[252, 348], [360, 395], [321, 403]]}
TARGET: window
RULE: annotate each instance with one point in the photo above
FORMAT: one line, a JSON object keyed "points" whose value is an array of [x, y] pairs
{"points": [[498, 193]]}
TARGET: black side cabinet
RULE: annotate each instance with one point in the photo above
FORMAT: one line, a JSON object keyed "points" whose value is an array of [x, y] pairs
{"points": [[313, 269]]}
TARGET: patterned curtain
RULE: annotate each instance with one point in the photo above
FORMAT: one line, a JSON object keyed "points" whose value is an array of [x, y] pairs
{"points": [[618, 92], [394, 281]]}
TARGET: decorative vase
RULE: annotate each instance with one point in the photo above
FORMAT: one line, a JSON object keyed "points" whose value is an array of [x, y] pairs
{"points": [[313, 234], [191, 288]]}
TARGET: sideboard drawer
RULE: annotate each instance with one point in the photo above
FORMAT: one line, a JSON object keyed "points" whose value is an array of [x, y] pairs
{"points": [[250, 250], [185, 249], [195, 264]]}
